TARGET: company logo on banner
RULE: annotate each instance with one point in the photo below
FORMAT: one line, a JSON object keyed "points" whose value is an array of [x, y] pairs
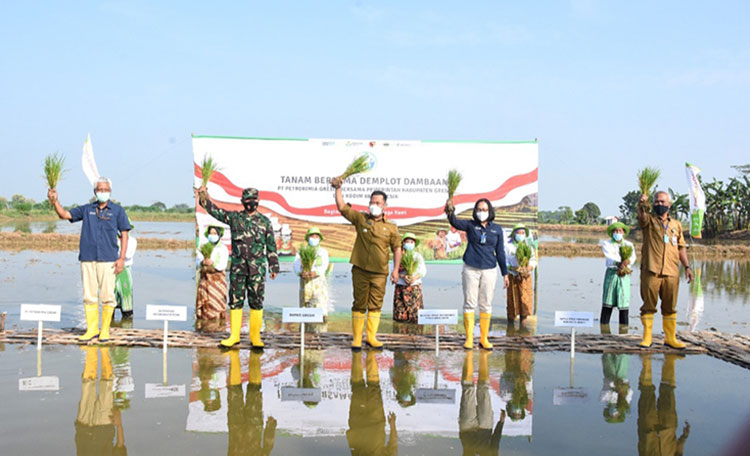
{"points": [[293, 178]]}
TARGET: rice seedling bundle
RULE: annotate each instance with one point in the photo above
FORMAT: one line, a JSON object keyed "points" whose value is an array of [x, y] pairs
{"points": [[207, 249], [359, 165], [53, 169], [647, 177], [523, 254], [208, 167], [454, 178], [307, 255], [409, 263], [625, 252]]}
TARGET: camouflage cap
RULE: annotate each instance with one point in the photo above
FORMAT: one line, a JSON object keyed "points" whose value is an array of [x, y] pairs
{"points": [[249, 193]]}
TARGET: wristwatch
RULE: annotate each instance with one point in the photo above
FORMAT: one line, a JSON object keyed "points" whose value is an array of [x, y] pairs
{"points": [[687, 267]]}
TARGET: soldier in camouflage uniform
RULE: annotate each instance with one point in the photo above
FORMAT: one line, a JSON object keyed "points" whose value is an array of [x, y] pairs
{"points": [[253, 244]]}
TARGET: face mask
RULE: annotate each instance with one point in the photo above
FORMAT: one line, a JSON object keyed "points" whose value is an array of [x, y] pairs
{"points": [[102, 197], [482, 215], [213, 238], [408, 246], [660, 210], [375, 210], [313, 242], [617, 237], [520, 237], [250, 206]]}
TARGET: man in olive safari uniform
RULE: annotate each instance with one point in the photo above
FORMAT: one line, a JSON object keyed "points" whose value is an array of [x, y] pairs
{"points": [[375, 235], [663, 250]]}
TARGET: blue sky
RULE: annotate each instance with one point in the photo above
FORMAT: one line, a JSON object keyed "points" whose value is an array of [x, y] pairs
{"points": [[607, 87]]}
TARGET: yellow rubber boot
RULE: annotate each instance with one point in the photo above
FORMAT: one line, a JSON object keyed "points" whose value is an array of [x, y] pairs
{"points": [[358, 324], [254, 368], [235, 370], [92, 322], [669, 323], [356, 369], [467, 375], [648, 326], [373, 321], [484, 330], [106, 363], [235, 322], [256, 321], [469, 328], [484, 367], [645, 378], [107, 312], [90, 365], [371, 365]]}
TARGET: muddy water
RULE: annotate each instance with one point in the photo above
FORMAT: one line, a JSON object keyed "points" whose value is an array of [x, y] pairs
{"points": [[409, 403], [168, 277], [159, 230]]}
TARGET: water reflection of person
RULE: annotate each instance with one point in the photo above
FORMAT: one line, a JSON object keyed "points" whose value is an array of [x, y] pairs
{"points": [[475, 416], [403, 377], [514, 383], [209, 361], [616, 391], [657, 419], [247, 435], [366, 434], [98, 421], [311, 373]]}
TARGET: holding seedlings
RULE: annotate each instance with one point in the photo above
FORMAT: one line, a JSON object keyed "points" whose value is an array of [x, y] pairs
{"points": [[357, 166], [53, 169], [647, 178], [521, 260], [311, 265], [619, 255], [208, 167], [407, 296], [212, 259]]}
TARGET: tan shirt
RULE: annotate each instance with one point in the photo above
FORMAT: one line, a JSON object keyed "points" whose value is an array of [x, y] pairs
{"points": [[375, 240], [661, 244]]}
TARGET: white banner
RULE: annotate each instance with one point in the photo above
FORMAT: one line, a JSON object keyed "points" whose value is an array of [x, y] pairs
{"points": [[88, 162]]}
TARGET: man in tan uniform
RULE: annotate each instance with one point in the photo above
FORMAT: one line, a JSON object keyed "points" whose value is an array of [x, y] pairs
{"points": [[375, 235], [663, 250]]}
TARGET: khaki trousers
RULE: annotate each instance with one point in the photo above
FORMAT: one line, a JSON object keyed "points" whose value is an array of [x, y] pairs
{"points": [[655, 286], [479, 288], [369, 290], [98, 279]]}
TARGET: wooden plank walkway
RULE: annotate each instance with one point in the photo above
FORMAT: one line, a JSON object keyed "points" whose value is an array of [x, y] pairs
{"points": [[731, 348]]}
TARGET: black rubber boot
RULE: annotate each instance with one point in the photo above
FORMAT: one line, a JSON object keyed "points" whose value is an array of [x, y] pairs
{"points": [[606, 314], [623, 319]]}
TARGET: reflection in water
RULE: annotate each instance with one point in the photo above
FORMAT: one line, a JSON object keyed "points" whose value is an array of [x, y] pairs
{"points": [[475, 416], [209, 361], [616, 391], [311, 370], [366, 434], [98, 420], [247, 434], [515, 383], [403, 377], [731, 277], [657, 419]]}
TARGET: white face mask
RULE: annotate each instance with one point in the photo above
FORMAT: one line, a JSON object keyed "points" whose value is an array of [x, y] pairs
{"points": [[313, 241], [408, 246], [375, 210], [520, 237], [102, 197], [483, 215], [213, 238]]}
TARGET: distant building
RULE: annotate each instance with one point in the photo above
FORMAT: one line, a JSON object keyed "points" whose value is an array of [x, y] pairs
{"points": [[611, 219]]}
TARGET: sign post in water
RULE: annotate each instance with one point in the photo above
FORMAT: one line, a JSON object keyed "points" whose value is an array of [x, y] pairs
{"points": [[572, 395], [302, 315], [167, 314], [40, 313], [437, 318]]}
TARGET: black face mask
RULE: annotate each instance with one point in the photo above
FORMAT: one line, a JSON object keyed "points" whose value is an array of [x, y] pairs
{"points": [[250, 206], [660, 210]]}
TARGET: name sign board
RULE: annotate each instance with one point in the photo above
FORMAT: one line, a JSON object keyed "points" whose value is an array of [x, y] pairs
{"points": [[437, 317], [574, 319], [569, 396], [39, 384], [436, 395], [40, 312], [157, 390], [302, 315], [289, 393], [167, 313]]}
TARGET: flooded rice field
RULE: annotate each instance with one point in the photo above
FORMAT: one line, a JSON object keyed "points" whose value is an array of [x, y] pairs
{"points": [[118, 400]]}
